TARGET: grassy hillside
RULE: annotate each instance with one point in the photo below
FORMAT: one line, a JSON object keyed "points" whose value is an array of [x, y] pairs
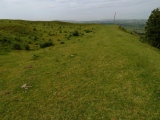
{"points": [[33, 35], [104, 74]]}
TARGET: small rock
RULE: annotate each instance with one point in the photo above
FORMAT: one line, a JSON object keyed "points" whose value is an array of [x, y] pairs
{"points": [[25, 86]]}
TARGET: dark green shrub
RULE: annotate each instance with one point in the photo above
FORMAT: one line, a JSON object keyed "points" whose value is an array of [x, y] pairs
{"points": [[87, 31], [36, 43], [62, 43], [68, 38], [51, 34], [46, 44], [17, 46], [34, 29], [26, 47], [30, 37], [29, 42], [35, 38], [5, 40], [75, 33], [17, 39]]}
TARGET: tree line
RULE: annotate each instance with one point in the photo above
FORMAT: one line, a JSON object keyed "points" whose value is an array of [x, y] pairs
{"points": [[152, 28]]}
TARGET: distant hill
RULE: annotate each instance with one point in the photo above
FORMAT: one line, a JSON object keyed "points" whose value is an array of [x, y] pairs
{"points": [[110, 21], [130, 24]]}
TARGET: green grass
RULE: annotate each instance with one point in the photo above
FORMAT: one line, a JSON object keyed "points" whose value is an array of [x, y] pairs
{"points": [[105, 74]]}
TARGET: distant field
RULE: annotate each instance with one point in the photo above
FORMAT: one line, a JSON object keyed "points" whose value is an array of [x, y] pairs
{"points": [[130, 24], [103, 73]]}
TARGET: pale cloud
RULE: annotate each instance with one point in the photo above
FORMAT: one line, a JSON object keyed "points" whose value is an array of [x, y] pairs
{"points": [[76, 9]]}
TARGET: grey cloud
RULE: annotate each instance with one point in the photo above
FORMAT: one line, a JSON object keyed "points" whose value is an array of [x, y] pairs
{"points": [[76, 9]]}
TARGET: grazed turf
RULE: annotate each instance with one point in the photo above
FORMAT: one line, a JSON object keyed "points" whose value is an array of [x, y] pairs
{"points": [[105, 74]]}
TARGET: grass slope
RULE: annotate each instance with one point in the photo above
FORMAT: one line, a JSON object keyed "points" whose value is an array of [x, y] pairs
{"points": [[33, 35], [105, 74]]}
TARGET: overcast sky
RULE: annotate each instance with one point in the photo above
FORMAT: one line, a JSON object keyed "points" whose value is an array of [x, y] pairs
{"points": [[76, 9]]}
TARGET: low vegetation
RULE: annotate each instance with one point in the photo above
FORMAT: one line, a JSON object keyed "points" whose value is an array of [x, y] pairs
{"points": [[29, 35], [105, 73]]}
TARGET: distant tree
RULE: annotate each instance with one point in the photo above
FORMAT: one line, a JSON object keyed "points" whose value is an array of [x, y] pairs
{"points": [[152, 28]]}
